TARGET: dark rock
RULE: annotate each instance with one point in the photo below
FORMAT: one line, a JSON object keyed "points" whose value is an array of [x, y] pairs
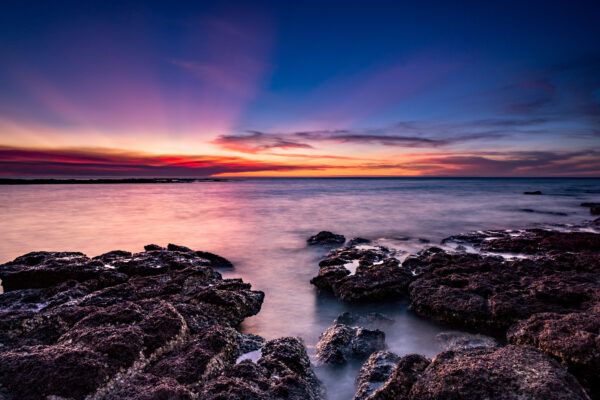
{"points": [[44, 269], [358, 241], [595, 210], [534, 192], [374, 373], [153, 247], [326, 238], [489, 293], [341, 343], [511, 372], [573, 339], [214, 260], [378, 275], [250, 343], [283, 372], [453, 340], [175, 247], [158, 324], [370, 320], [407, 371], [590, 204]]}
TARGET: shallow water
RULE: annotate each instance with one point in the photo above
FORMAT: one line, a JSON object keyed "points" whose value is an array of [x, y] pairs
{"points": [[261, 225]]}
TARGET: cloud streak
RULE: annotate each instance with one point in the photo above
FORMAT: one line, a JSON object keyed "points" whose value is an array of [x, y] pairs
{"points": [[110, 162]]}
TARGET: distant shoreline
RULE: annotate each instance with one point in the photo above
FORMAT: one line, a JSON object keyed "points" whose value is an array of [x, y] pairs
{"points": [[38, 181]]}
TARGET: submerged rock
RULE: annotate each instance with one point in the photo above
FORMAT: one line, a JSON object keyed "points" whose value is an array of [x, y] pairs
{"points": [[369, 320], [326, 238], [342, 343], [157, 324]]}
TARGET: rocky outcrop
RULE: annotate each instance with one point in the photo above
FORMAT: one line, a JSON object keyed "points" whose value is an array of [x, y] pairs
{"points": [[156, 324], [508, 373], [374, 373], [573, 339], [362, 274], [342, 343], [486, 293], [326, 238]]}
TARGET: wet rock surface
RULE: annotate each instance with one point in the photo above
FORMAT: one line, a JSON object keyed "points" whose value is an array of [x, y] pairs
{"points": [[151, 325], [362, 273], [326, 238], [511, 372], [453, 340], [374, 373], [341, 343], [573, 339]]}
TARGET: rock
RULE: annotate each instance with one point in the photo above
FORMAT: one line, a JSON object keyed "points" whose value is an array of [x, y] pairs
{"points": [[590, 204], [326, 238], [536, 192], [511, 372], [358, 241], [282, 372], [406, 372], [453, 340], [507, 373], [595, 210], [175, 247], [153, 247], [341, 343], [215, 260], [370, 320], [374, 373], [362, 275], [157, 324], [573, 339], [44, 269], [486, 293]]}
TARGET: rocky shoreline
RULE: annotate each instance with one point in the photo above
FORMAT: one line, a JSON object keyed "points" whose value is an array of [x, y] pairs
{"points": [[162, 324]]}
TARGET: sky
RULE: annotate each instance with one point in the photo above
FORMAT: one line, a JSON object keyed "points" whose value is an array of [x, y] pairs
{"points": [[310, 88]]}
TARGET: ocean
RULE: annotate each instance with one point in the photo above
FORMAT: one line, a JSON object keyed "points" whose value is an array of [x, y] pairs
{"points": [[261, 225]]}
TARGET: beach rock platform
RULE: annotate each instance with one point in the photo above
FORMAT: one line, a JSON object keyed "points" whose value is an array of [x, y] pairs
{"points": [[538, 288], [505, 373], [160, 324]]}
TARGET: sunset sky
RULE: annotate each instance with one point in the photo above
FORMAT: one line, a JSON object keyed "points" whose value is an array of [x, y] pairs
{"points": [[303, 88]]}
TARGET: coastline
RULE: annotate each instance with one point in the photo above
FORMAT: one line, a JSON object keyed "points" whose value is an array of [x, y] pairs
{"points": [[52, 181], [68, 288]]}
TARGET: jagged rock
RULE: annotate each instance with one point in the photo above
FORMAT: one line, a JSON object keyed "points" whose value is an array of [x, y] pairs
{"points": [[374, 373], [362, 275], [326, 238], [341, 343], [407, 371], [453, 340], [43, 269], [157, 324], [573, 339], [282, 372]]}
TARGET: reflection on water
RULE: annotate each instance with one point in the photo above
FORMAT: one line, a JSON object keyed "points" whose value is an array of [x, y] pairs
{"points": [[261, 225]]}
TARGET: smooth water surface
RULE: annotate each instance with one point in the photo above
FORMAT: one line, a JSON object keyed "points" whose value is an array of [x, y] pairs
{"points": [[261, 225]]}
